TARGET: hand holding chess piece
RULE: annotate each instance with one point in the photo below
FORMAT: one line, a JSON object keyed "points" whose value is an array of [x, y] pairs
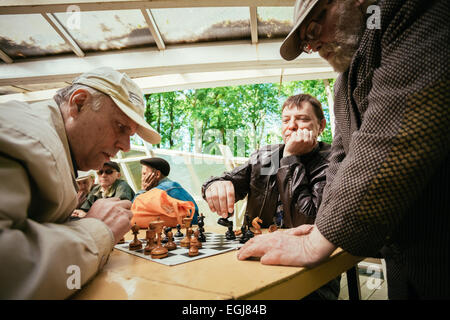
{"points": [[136, 244]]}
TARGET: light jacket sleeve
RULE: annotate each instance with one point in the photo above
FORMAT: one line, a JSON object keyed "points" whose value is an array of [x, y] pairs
{"points": [[36, 258]]}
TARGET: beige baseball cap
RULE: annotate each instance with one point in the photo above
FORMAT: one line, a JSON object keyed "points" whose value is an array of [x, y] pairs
{"points": [[290, 48], [125, 93]]}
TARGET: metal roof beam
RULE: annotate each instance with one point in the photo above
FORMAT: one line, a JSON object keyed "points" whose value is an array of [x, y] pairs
{"points": [[151, 62], [5, 57], [153, 27], [253, 25], [37, 6], [59, 28], [173, 82]]}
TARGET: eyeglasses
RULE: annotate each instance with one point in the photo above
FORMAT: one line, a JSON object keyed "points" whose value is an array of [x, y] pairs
{"points": [[313, 32], [107, 171]]}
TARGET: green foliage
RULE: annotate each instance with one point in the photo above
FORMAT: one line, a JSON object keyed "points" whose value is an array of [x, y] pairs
{"points": [[242, 117]]}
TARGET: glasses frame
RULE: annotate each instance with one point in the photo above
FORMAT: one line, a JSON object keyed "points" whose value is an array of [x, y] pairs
{"points": [[313, 29], [107, 171]]}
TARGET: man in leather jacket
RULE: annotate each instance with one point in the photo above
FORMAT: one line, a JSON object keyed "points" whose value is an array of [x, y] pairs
{"points": [[284, 182]]}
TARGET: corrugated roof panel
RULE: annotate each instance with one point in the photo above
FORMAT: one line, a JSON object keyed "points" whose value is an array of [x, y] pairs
{"points": [[274, 22], [107, 30], [24, 36], [190, 25]]}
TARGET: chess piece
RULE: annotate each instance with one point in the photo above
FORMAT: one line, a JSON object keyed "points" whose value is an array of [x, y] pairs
{"points": [[223, 222], [195, 241], [159, 251], [151, 241], [185, 242], [249, 233], [230, 235], [166, 239], [193, 251], [179, 234], [256, 226], [136, 244], [243, 238], [170, 245], [201, 224]]}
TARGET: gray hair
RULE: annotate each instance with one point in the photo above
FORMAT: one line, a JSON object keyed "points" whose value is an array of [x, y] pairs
{"points": [[63, 95]]}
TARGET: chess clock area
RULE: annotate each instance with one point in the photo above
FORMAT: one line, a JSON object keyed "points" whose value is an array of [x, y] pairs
{"points": [[183, 267]]}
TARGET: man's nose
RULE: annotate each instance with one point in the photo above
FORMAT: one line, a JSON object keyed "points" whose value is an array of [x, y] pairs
{"points": [[292, 125], [123, 143]]}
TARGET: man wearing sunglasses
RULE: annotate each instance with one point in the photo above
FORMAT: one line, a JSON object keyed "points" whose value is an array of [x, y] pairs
{"points": [[43, 253], [109, 186], [389, 174]]}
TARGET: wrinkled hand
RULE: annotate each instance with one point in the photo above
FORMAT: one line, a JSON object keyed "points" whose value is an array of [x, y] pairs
{"points": [[149, 180], [300, 142], [78, 213], [115, 213], [303, 246], [220, 198]]}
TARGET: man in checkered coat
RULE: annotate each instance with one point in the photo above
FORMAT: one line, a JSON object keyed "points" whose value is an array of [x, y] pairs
{"points": [[388, 181]]}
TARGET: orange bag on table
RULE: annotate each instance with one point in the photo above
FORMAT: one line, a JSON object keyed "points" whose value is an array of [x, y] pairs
{"points": [[155, 203]]}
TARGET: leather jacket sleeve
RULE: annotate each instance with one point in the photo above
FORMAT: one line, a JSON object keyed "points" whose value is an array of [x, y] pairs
{"points": [[301, 180]]}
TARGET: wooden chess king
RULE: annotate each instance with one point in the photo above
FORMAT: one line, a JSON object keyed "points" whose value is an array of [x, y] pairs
{"points": [[159, 251]]}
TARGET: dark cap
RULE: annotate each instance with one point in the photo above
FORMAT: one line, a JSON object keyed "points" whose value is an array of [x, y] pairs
{"points": [[113, 165], [157, 163]]}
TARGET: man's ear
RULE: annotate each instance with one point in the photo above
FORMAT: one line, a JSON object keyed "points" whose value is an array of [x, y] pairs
{"points": [[77, 100], [323, 124]]}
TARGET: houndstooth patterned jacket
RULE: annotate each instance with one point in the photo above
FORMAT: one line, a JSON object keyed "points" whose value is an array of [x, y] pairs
{"points": [[388, 178]]}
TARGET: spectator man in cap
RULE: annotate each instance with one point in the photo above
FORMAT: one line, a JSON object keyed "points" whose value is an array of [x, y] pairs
{"points": [[389, 175], [85, 182], [42, 147], [154, 176], [109, 186]]}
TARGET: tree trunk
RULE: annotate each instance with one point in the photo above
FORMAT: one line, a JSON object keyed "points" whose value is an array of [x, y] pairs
{"points": [[159, 116]]}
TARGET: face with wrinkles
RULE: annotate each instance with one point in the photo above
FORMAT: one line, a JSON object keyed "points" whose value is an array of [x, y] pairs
{"points": [[96, 135], [339, 26]]}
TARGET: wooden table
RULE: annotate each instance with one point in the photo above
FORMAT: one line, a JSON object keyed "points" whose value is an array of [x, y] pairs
{"points": [[222, 276]]}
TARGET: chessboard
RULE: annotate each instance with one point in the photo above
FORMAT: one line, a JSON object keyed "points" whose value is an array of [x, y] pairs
{"points": [[215, 244]]}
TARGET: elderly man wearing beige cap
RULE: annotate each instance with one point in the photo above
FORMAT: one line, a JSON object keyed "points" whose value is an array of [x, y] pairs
{"points": [[42, 146], [388, 182]]}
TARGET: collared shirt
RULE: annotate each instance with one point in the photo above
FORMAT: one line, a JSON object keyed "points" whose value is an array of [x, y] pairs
{"points": [[120, 189]]}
